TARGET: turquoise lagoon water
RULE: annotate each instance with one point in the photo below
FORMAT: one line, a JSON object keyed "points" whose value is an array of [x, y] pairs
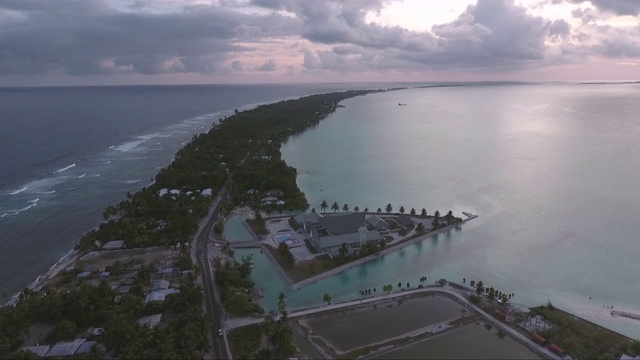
{"points": [[235, 231], [551, 170]]}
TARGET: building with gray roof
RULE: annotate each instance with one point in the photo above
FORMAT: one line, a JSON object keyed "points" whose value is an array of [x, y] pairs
{"points": [[66, 348], [150, 321], [113, 245], [86, 347], [160, 285], [345, 228], [405, 221], [377, 223], [159, 295], [307, 221], [348, 223]]}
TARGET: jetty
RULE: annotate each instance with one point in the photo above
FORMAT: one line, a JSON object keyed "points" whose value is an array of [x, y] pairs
{"points": [[626, 314]]}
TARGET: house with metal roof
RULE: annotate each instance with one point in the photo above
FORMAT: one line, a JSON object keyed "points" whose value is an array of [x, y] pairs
{"points": [[113, 245], [150, 321], [159, 295], [160, 285], [66, 348]]}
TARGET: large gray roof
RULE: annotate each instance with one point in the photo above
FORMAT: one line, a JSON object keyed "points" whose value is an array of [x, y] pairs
{"points": [[326, 242], [343, 224], [376, 221]]}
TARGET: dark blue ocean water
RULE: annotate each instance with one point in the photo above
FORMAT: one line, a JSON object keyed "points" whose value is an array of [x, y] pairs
{"points": [[69, 152]]}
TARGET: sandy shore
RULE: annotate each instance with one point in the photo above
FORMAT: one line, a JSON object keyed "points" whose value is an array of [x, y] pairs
{"points": [[59, 266]]}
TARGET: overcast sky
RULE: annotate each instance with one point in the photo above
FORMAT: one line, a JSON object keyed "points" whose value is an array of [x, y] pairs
{"points": [[60, 42]]}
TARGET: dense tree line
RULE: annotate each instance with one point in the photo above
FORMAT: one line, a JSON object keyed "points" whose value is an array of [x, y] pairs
{"points": [[236, 286], [74, 311], [246, 147]]}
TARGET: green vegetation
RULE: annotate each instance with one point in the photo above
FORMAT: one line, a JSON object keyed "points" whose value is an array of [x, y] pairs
{"points": [[580, 338], [71, 312], [326, 298], [258, 224], [286, 255], [236, 286], [244, 148], [246, 342]]}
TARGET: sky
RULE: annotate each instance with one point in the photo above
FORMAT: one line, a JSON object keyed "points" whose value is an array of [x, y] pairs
{"points": [[111, 42]]}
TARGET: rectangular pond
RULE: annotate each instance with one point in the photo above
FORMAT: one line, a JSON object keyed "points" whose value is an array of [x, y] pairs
{"points": [[347, 330], [472, 341]]}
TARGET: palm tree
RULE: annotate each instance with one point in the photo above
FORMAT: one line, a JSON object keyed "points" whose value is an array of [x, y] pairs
{"points": [[324, 205], [335, 207], [313, 210], [412, 212], [424, 212], [379, 210], [345, 208], [449, 216], [436, 214], [401, 209], [389, 208], [366, 209], [356, 209]]}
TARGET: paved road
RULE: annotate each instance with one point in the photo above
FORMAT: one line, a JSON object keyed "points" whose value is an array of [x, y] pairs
{"points": [[212, 304]]}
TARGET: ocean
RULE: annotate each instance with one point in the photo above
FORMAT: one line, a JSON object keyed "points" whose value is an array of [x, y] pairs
{"points": [[68, 152], [549, 169]]}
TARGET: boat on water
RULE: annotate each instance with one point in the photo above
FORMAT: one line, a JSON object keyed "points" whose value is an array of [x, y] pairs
{"points": [[401, 104]]}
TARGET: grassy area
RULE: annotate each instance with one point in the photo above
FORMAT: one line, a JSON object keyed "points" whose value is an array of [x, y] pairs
{"points": [[304, 269], [258, 226], [580, 338], [245, 341]]}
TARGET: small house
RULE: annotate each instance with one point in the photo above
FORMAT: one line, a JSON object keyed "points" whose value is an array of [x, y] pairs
{"points": [[113, 245], [500, 315], [150, 321], [377, 223]]}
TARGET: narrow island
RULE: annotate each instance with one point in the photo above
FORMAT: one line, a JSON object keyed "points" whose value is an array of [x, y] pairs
{"points": [[156, 280]]}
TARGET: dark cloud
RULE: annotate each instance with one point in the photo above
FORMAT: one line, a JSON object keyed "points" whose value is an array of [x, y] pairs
{"points": [[618, 7], [269, 65], [79, 37], [493, 34]]}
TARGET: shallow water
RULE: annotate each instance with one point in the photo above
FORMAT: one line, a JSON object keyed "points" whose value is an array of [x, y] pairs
{"points": [[549, 169]]}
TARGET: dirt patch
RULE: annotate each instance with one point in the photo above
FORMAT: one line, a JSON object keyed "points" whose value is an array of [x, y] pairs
{"points": [[37, 332], [98, 260]]}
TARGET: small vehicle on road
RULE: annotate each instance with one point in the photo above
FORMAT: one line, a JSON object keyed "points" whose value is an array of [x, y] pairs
{"points": [[219, 332]]}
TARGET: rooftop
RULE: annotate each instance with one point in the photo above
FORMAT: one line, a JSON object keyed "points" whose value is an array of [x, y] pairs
{"points": [[65, 348], [343, 224], [114, 244], [150, 321]]}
